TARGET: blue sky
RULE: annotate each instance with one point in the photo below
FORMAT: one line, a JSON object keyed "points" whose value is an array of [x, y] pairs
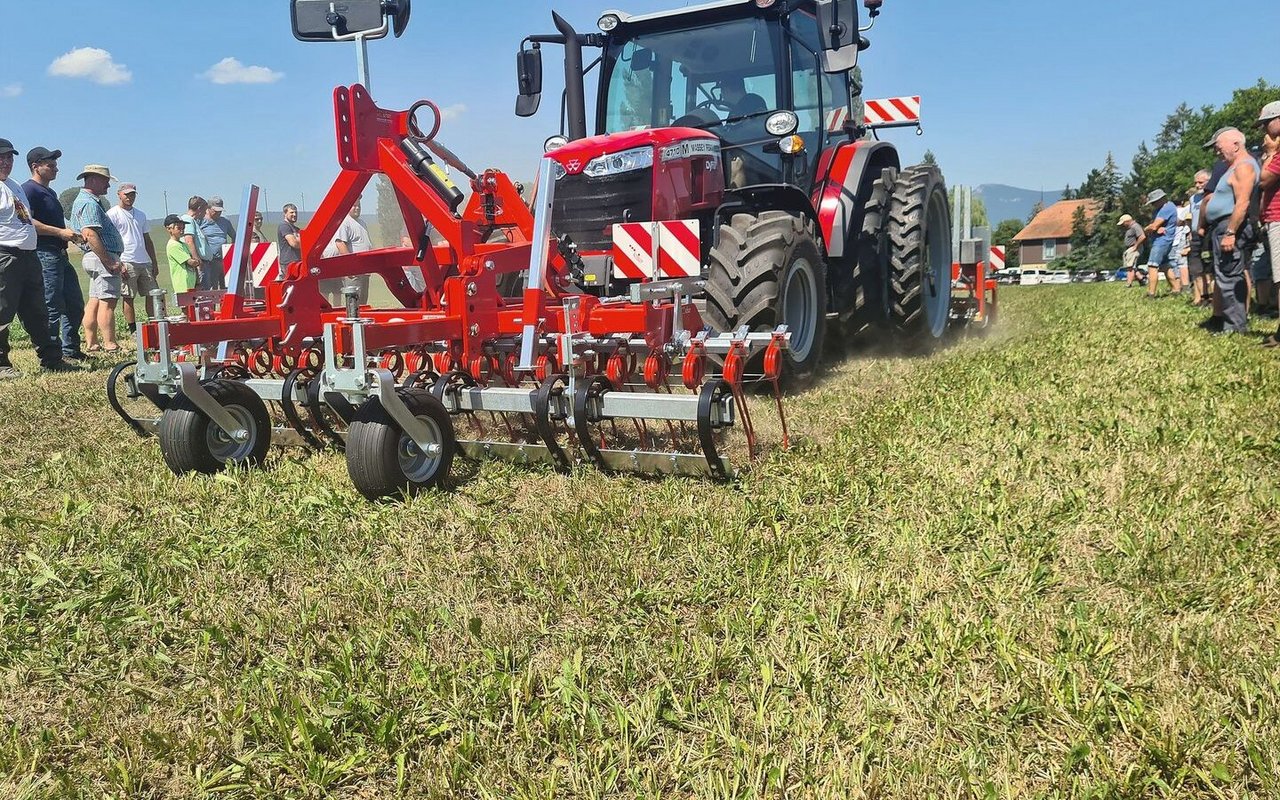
{"points": [[1021, 92]]}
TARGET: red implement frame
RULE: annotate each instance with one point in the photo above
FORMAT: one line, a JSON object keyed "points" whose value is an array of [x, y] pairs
{"points": [[461, 305]]}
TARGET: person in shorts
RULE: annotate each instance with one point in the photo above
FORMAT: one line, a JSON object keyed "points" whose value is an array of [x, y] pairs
{"points": [[1164, 232], [139, 275], [1134, 236], [101, 259], [1269, 121]]}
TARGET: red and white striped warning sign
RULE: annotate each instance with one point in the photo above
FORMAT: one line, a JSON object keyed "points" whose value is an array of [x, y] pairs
{"points": [[997, 257], [892, 111], [264, 259], [678, 249]]}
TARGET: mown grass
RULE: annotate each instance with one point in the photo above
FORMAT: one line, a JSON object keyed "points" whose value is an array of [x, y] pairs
{"points": [[1040, 564]]}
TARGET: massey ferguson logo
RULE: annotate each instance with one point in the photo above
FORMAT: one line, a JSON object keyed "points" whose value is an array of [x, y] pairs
{"points": [[573, 165]]}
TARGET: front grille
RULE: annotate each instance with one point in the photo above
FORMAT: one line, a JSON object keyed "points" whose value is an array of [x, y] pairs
{"points": [[586, 208]]}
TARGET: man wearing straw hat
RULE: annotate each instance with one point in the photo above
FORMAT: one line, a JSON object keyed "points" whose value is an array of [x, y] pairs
{"points": [[101, 260]]}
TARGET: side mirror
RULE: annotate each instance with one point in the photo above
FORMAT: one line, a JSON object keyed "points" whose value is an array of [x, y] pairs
{"points": [[343, 20], [838, 34], [529, 78]]}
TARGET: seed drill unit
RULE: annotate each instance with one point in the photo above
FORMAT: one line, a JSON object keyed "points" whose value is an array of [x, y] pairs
{"points": [[695, 246]]}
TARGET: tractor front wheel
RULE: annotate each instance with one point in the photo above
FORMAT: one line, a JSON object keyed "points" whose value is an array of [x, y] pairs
{"points": [[769, 270], [384, 462], [191, 442]]}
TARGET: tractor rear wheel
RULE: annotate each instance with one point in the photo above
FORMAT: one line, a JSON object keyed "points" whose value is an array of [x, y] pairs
{"points": [[769, 270], [381, 458], [919, 239], [191, 442]]}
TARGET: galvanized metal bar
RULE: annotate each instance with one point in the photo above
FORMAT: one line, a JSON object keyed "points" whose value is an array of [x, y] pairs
{"points": [[204, 401], [243, 255], [537, 256], [384, 388]]}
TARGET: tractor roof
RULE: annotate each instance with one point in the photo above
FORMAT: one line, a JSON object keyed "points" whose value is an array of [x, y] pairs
{"points": [[701, 8]]}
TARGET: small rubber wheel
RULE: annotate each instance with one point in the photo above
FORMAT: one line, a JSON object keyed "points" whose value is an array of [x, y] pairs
{"points": [[384, 462], [190, 442]]}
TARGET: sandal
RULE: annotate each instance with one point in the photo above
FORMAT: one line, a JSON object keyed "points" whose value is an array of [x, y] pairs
{"points": [[93, 348], [115, 349]]}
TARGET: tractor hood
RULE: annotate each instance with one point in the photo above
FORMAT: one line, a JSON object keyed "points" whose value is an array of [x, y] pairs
{"points": [[577, 155]]}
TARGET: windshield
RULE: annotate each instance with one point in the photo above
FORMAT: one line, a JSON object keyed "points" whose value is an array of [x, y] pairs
{"points": [[706, 77]]}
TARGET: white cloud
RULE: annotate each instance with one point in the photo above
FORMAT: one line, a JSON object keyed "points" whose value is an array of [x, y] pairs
{"points": [[230, 70], [91, 63], [12, 90], [454, 111]]}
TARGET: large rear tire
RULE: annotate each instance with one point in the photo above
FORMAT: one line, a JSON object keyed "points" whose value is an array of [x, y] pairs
{"points": [[919, 238], [769, 270]]}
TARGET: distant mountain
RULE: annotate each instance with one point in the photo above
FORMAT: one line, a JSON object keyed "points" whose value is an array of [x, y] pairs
{"points": [[1010, 202]]}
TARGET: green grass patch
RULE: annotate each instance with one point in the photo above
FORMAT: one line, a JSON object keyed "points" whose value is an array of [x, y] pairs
{"points": [[1036, 564]]}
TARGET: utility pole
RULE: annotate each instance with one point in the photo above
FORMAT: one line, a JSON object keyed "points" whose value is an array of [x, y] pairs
{"points": [[166, 202]]}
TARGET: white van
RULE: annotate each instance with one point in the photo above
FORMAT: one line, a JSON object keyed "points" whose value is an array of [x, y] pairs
{"points": [[1032, 276]]}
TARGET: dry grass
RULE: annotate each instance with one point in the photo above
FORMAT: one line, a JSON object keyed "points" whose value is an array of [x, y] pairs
{"points": [[1041, 564]]}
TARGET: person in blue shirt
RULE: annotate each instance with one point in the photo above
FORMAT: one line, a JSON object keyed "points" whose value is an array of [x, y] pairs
{"points": [[1163, 230]]}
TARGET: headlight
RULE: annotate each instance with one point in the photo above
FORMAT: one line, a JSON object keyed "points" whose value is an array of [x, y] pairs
{"points": [[553, 143], [617, 163], [765, 3], [608, 22], [781, 123]]}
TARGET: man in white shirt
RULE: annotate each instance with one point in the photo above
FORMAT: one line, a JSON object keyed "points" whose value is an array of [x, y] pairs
{"points": [[352, 237], [139, 257], [21, 276]]}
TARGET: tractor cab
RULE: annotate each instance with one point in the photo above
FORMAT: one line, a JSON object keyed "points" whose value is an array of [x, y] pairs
{"points": [[771, 79], [749, 75]]}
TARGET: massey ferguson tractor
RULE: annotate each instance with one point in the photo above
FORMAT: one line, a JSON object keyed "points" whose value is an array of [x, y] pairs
{"points": [[742, 121], [617, 318]]}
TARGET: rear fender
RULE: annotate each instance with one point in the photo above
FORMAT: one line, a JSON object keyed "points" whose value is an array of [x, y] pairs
{"points": [[842, 172]]}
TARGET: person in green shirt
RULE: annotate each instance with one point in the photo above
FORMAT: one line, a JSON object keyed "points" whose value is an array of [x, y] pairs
{"points": [[183, 265]]}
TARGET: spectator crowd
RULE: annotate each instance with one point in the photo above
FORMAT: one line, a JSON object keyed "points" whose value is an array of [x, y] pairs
{"points": [[40, 287], [1222, 241]]}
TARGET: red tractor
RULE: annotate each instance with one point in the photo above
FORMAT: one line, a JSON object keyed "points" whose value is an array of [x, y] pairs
{"points": [[746, 116]]}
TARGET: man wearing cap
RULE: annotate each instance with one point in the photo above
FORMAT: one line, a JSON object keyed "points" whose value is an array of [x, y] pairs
{"points": [[101, 261], [1134, 236], [62, 295], [1231, 233], [1269, 121], [1164, 231], [218, 232], [138, 277], [21, 279]]}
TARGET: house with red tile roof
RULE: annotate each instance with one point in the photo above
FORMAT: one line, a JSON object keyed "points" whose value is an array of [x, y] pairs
{"points": [[1048, 236]]}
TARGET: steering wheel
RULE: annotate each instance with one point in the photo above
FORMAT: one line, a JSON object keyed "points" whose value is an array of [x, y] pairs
{"points": [[715, 102]]}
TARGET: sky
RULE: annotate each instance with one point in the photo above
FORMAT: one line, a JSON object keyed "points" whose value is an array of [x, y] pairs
{"points": [[185, 98]]}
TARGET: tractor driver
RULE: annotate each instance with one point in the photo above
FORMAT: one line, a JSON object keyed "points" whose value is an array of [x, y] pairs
{"points": [[733, 92]]}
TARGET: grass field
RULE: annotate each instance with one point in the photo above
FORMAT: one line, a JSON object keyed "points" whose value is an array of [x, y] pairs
{"points": [[1040, 564]]}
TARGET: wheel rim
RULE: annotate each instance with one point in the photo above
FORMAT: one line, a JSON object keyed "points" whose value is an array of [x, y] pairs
{"points": [[419, 466], [226, 449], [937, 261], [800, 307]]}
